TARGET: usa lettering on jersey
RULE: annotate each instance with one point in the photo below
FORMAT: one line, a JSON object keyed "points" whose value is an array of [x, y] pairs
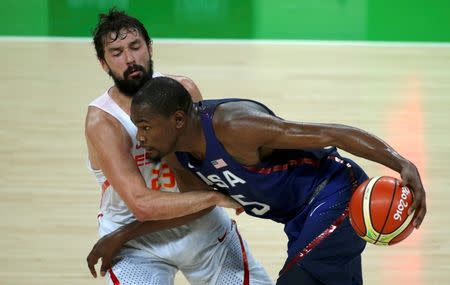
{"points": [[227, 180]]}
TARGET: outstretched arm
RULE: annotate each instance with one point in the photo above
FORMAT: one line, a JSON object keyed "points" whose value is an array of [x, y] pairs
{"points": [[259, 130], [119, 167], [109, 146], [109, 245]]}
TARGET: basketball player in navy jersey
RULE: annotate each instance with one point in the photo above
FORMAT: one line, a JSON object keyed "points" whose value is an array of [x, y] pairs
{"points": [[285, 171]]}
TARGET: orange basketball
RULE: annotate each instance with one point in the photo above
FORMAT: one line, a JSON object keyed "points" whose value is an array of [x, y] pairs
{"points": [[379, 211]]}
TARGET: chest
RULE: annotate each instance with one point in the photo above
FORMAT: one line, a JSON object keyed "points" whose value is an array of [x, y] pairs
{"points": [[218, 175], [246, 155]]}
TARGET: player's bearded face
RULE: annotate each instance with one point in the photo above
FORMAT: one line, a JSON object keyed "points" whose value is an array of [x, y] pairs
{"points": [[134, 77]]}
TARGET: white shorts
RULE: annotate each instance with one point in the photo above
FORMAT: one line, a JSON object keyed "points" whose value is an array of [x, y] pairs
{"points": [[208, 250]]}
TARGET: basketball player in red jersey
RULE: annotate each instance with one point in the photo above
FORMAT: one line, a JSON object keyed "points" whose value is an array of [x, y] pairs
{"points": [[207, 249]]}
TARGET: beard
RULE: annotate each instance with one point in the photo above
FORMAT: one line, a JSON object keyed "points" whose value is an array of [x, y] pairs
{"points": [[130, 85]]}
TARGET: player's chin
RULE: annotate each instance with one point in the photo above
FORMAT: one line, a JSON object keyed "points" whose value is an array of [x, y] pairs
{"points": [[155, 159], [154, 155]]}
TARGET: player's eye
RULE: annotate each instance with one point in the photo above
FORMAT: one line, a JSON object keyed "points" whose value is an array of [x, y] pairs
{"points": [[146, 129]]}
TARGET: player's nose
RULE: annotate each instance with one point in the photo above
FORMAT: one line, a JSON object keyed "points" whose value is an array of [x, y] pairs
{"points": [[129, 56], [140, 137]]}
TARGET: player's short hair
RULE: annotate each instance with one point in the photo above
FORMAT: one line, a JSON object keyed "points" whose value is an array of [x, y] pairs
{"points": [[113, 22], [164, 95]]}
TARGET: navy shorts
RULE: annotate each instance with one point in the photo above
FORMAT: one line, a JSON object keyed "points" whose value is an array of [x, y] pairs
{"points": [[323, 247]]}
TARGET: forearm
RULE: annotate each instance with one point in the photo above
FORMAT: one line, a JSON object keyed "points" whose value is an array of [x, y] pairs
{"points": [[350, 139], [365, 145], [137, 228], [167, 205]]}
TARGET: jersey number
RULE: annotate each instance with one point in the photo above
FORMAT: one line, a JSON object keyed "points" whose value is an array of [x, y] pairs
{"points": [[259, 208], [167, 175]]}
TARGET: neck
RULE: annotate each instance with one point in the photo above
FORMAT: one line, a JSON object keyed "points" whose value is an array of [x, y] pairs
{"points": [[121, 99]]}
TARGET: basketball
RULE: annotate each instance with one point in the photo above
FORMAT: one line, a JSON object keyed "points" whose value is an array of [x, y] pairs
{"points": [[378, 211]]}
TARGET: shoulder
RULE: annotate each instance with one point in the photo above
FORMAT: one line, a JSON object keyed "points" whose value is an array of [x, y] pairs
{"points": [[232, 118], [99, 123], [190, 86], [233, 113], [96, 118]]}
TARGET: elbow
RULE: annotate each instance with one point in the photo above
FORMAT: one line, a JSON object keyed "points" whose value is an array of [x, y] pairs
{"points": [[141, 216], [139, 211], [144, 212]]}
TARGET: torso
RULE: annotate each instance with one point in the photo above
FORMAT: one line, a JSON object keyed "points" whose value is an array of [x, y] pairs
{"points": [[273, 184], [157, 176], [245, 155]]}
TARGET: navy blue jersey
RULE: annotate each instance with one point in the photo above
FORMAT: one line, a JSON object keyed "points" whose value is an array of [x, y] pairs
{"points": [[278, 188]]}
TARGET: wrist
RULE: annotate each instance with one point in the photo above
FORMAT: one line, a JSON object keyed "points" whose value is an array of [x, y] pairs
{"points": [[405, 164], [128, 232]]}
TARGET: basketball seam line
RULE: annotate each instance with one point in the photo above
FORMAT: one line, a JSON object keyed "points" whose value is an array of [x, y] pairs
{"points": [[387, 216]]}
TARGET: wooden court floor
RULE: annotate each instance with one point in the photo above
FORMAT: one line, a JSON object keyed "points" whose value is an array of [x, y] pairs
{"points": [[49, 200]]}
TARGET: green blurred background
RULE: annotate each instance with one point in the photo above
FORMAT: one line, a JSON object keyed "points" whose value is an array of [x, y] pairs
{"points": [[372, 20]]}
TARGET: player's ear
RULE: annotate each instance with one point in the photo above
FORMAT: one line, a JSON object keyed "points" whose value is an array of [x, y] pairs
{"points": [[150, 49], [105, 66], [180, 119]]}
